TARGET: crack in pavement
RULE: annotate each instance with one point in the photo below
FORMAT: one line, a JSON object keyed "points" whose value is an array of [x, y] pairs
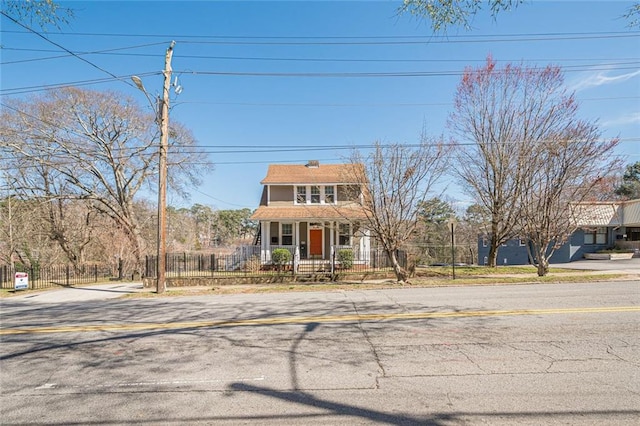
{"points": [[374, 352]]}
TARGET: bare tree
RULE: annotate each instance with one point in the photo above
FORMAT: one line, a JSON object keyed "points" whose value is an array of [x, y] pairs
{"points": [[446, 13], [568, 168], [40, 12], [92, 146], [394, 180], [501, 116]]}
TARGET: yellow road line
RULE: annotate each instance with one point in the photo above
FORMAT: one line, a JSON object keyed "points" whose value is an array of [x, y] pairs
{"points": [[310, 319]]}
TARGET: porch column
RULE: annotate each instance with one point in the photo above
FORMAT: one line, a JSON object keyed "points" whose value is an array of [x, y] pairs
{"points": [[332, 233], [365, 246], [296, 245], [266, 241]]}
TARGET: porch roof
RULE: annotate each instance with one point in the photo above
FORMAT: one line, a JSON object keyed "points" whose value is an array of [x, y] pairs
{"points": [[308, 212]]}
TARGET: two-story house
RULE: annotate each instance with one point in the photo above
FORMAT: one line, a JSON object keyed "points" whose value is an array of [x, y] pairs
{"points": [[313, 210]]}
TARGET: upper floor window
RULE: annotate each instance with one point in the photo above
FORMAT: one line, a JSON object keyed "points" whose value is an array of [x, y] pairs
{"points": [[329, 195], [301, 194], [315, 194]]}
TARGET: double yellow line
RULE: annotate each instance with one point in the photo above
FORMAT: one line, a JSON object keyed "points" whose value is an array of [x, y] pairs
{"points": [[309, 319]]}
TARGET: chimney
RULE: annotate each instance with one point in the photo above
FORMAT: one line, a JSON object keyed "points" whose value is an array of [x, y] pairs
{"points": [[313, 164]]}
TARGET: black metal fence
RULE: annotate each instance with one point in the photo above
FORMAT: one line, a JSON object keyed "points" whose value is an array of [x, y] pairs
{"points": [[246, 261], [59, 275]]}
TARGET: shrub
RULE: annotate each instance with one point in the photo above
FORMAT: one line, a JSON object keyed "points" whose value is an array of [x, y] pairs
{"points": [[252, 264], [615, 250], [345, 257], [280, 257]]}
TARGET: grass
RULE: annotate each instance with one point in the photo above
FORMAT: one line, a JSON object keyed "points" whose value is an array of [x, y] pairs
{"points": [[439, 276], [434, 277], [482, 271]]}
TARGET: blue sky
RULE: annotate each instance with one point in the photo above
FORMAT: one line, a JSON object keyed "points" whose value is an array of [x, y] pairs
{"points": [[340, 73]]}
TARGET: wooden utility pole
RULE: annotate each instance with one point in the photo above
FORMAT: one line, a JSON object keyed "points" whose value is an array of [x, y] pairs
{"points": [[162, 172]]}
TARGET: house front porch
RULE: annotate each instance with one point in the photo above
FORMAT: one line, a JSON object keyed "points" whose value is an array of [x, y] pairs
{"points": [[313, 241]]}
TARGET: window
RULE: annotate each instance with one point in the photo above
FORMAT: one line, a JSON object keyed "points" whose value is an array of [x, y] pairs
{"points": [[329, 196], [344, 234], [287, 234], [315, 195], [522, 242], [595, 236], [301, 194]]}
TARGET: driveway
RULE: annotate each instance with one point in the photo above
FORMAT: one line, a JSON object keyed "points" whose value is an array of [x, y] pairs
{"points": [[80, 294], [628, 266]]}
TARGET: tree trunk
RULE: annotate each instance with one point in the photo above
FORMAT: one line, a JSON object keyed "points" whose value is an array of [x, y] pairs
{"points": [[542, 261], [492, 261], [401, 274], [543, 268]]}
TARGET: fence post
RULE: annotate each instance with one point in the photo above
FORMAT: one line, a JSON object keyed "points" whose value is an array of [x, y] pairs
{"points": [[213, 260], [95, 273], [67, 271]]}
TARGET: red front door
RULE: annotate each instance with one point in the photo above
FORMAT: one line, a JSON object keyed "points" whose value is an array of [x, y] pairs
{"points": [[315, 242]]}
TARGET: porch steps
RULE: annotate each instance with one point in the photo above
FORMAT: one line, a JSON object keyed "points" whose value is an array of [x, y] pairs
{"points": [[314, 267]]}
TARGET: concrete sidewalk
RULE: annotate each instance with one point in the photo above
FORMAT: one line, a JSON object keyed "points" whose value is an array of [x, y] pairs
{"points": [[119, 289], [81, 293]]}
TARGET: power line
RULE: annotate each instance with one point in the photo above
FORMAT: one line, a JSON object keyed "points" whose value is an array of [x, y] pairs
{"points": [[259, 148], [385, 104], [489, 39], [110, 52], [63, 48], [39, 88], [395, 39], [593, 67], [76, 54]]}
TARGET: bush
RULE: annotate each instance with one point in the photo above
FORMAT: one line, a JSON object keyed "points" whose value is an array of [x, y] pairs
{"points": [[280, 257], [615, 250], [345, 257]]}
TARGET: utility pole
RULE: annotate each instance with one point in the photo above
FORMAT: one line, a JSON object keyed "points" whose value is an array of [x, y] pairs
{"points": [[162, 172], [452, 222]]}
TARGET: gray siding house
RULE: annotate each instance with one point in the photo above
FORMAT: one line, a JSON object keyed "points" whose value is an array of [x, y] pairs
{"points": [[600, 225]]}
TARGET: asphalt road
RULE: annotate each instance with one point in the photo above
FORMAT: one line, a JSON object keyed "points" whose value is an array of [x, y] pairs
{"points": [[522, 354]]}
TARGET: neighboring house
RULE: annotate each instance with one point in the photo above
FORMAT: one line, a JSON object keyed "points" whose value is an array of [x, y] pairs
{"points": [[601, 225], [313, 210]]}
